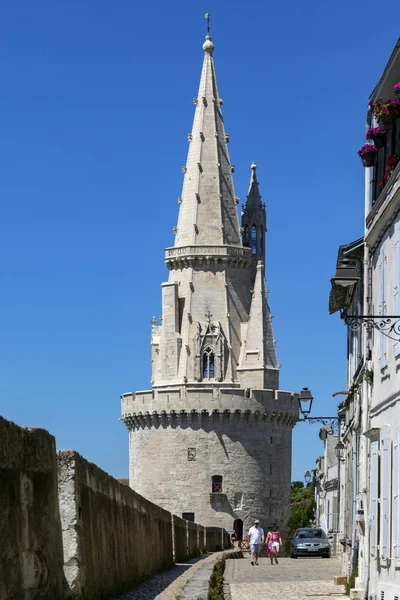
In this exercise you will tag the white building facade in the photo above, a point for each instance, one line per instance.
(371, 410)
(326, 476)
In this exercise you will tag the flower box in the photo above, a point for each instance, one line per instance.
(377, 135)
(368, 155)
(385, 112)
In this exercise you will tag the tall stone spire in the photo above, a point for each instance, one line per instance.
(258, 360)
(208, 213)
(207, 296)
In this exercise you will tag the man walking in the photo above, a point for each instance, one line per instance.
(256, 537)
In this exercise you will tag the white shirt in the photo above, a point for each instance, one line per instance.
(255, 534)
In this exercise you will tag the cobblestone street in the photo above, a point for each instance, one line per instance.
(290, 579)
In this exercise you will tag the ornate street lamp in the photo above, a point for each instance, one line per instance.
(305, 403)
(339, 451)
(307, 477)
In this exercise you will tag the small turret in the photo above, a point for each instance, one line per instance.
(254, 223)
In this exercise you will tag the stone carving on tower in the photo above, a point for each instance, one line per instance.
(214, 412)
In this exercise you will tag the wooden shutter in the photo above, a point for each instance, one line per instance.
(373, 497)
(396, 278)
(386, 484)
(396, 495)
(382, 302)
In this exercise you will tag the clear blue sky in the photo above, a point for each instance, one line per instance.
(95, 108)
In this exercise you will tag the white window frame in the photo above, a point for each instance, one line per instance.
(385, 493)
(396, 495)
(382, 302)
(396, 278)
(374, 497)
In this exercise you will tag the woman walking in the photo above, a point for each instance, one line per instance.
(274, 542)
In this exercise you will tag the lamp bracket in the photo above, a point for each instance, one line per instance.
(325, 421)
(388, 325)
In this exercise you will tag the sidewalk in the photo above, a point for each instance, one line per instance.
(186, 581)
(301, 579)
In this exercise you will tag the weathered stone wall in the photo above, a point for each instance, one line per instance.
(31, 555)
(213, 538)
(112, 536)
(193, 549)
(226, 538)
(201, 532)
(180, 539)
(252, 455)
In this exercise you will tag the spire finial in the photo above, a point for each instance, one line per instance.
(207, 18)
(208, 46)
(253, 172)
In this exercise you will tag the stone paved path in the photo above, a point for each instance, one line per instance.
(188, 581)
(301, 579)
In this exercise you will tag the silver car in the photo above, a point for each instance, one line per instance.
(310, 541)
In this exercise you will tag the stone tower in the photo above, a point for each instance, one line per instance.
(212, 439)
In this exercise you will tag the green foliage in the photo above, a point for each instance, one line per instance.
(302, 510)
(295, 485)
(216, 582)
(304, 494)
(352, 580)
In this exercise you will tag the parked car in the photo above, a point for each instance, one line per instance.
(310, 541)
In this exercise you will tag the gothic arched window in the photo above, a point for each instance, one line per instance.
(208, 363)
(254, 240)
(261, 239)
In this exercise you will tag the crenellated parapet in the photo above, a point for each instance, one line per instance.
(206, 406)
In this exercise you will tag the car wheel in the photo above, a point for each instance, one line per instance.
(292, 555)
(326, 555)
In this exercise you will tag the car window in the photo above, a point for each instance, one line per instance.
(309, 533)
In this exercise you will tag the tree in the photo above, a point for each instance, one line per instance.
(302, 509)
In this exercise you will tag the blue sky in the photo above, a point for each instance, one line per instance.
(95, 108)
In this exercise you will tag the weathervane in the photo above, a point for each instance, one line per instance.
(207, 18)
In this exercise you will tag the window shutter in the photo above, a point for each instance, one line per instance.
(396, 268)
(373, 497)
(396, 495)
(386, 484)
(382, 303)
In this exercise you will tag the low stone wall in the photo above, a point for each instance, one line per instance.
(31, 554)
(113, 537)
(213, 538)
(193, 547)
(227, 543)
(83, 534)
(180, 539)
(201, 536)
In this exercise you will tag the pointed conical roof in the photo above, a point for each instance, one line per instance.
(259, 352)
(253, 195)
(208, 213)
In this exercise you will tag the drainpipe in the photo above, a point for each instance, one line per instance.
(354, 456)
(365, 388)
